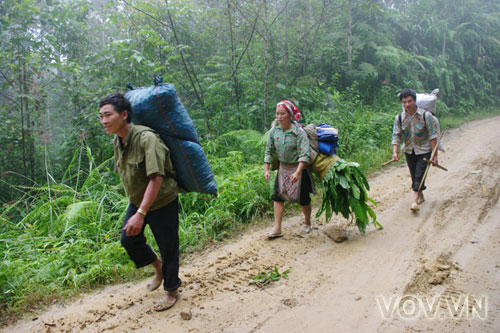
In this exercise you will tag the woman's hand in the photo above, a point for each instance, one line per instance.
(295, 176)
(267, 174)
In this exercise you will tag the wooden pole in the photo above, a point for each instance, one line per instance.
(386, 163)
(437, 165)
(429, 165)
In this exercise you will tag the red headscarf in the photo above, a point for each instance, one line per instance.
(291, 108)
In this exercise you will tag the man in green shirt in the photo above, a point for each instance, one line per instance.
(143, 162)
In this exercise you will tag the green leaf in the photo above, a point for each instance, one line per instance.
(358, 209)
(355, 191)
(344, 182)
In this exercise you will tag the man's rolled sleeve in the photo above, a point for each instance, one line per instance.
(432, 128)
(396, 132)
(154, 153)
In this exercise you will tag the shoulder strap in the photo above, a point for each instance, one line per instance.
(425, 120)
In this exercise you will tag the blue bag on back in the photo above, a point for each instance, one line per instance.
(327, 139)
(159, 108)
(328, 148)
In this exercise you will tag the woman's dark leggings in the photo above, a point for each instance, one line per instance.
(164, 223)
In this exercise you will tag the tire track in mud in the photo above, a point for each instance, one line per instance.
(219, 275)
(481, 188)
(474, 204)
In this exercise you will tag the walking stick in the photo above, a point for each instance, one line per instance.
(437, 165)
(428, 164)
(388, 162)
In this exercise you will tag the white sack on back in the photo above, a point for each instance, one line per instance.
(428, 101)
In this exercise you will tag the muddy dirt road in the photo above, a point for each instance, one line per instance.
(437, 270)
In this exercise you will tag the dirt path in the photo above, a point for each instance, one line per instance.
(411, 276)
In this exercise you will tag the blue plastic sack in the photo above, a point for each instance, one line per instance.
(327, 148)
(326, 133)
(159, 108)
(327, 139)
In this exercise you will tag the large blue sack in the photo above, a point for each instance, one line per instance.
(327, 133)
(328, 141)
(327, 148)
(159, 108)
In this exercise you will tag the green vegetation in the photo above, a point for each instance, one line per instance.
(264, 278)
(453, 121)
(345, 191)
(66, 239)
(341, 61)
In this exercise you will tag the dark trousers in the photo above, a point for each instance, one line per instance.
(417, 167)
(164, 223)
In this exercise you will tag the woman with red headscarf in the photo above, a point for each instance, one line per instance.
(293, 183)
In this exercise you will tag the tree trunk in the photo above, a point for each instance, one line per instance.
(286, 45)
(234, 74)
(193, 79)
(29, 128)
(266, 68)
(349, 36)
(444, 44)
(21, 108)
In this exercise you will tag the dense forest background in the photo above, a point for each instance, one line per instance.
(340, 61)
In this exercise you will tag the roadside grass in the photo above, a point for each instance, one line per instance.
(453, 121)
(58, 240)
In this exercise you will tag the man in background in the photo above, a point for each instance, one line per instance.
(416, 127)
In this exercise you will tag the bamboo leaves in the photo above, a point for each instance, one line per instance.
(345, 192)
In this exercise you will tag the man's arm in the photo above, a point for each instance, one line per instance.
(395, 156)
(396, 137)
(136, 221)
(433, 131)
(433, 145)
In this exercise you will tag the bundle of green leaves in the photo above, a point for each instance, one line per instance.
(345, 190)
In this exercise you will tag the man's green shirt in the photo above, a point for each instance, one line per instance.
(143, 154)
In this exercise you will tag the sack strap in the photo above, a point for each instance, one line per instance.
(400, 122)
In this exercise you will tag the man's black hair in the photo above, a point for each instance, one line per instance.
(119, 102)
(407, 92)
